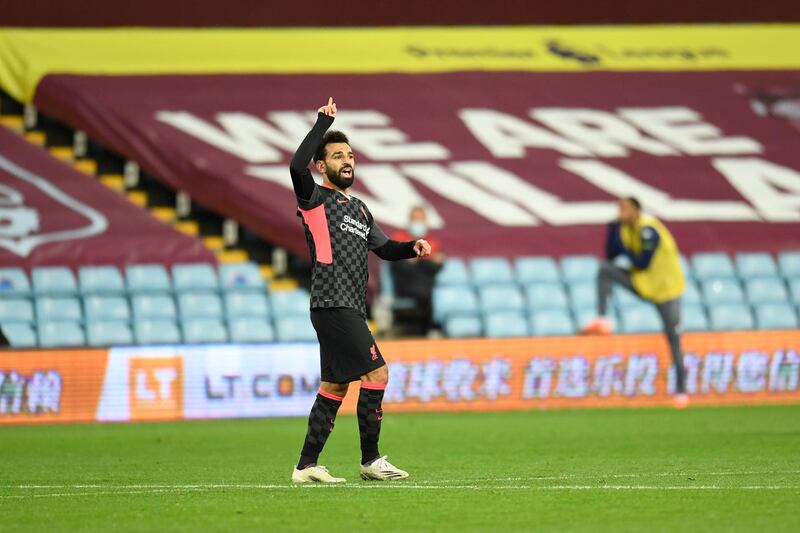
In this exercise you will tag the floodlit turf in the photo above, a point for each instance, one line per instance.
(724, 469)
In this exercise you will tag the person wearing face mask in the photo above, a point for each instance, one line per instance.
(414, 278)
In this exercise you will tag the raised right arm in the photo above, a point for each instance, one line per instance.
(302, 180)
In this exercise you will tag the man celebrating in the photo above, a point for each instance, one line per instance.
(341, 231)
(655, 276)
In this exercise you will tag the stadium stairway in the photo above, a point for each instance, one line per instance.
(231, 244)
(74, 148)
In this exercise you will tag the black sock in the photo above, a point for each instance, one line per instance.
(320, 425)
(370, 414)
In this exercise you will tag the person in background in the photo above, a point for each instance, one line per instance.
(655, 276)
(414, 278)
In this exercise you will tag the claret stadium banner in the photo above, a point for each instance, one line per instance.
(517, 139)
(508, 163)
(278, 380)
(51, 214)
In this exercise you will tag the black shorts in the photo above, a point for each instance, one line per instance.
(347, 350)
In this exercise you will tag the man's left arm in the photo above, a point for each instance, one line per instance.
(650, 240)
(390, 250)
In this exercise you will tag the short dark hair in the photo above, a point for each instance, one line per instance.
(333, 136)
(633, 201)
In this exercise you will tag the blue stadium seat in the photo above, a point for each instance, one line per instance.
(246, 305)
(455, 300)
(576, 268)
(693, 318)
(623, 298)
(500, 298)
(642, 318)
(251, 329)
(108, 333)
(766, 291)
(16, 310)
(460, 327)
(541, 269)
(388, 289)
(552, 322)
(153, 306)
(506, 324)
(199, 304)
(241, 277)
(19, 334)
(290, 303)
(202, 330)
(583, 294)
(686, 267)
(691, 295)
(789, 264)
(14, 282)
(541, 296)
(156, 331)
(794, 290)
(58, 308)
(584, 315)
(755, 265)
(727, 317)
(776, 316)
(295, 329)
(194, 277)
(453, 272)
(722, 291)
(61, 333)
(148, 278)
(101, 280)
(490, 271)
(106, 308)
(54, 281)
(712, 265)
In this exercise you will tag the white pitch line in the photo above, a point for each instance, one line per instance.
(139, 489)
(561, 477)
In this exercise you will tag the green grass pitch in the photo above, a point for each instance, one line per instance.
(703, 469)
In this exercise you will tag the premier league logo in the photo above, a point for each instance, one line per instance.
(25, 198)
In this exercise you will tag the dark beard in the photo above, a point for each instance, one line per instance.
(337, 179)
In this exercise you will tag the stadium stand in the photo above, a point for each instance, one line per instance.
(754, 291)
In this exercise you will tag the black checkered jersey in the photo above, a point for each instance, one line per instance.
(340, 232)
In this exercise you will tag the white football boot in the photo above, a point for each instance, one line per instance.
(315, 474)
(382, 470)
